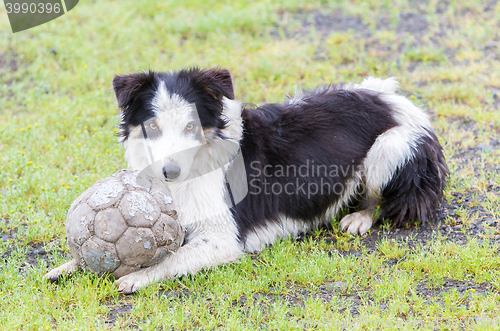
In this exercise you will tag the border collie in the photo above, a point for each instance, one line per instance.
(244, 177)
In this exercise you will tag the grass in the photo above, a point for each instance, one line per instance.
(58, 123)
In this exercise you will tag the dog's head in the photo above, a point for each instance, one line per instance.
(167, 118)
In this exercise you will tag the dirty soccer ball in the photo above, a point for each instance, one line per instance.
(123, 223)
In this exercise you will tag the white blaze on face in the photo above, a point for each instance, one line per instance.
(173, 135)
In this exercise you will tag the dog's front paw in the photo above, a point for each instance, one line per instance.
(359, 222)
(134, 281)
(66, 269)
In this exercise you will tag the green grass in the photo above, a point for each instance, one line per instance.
(58, 123)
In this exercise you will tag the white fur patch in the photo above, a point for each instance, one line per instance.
(260, 237)
(389, 85)
(173, 113)
(172, 103)
(232, 112)
(298, 98)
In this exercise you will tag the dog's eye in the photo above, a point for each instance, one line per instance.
(190, 126)
(153, 126)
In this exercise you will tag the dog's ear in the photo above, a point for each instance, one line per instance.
(127, 86)
(216, 82)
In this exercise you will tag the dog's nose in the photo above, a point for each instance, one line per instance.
(171, 171)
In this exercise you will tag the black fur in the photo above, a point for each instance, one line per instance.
(134, 94)
(331, 127)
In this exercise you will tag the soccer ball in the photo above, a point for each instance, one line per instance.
(123, 223)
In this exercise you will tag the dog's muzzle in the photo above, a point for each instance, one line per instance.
(171, 171)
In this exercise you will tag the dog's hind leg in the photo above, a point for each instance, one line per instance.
(416, 188)
(390, 152)
(405, 178)
(404, 171)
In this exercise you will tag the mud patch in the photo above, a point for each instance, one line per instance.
(412, 23)
(299, 24)
(36, 255)
(426, 289)
(8, 65)
(117, 311)
(9, 233)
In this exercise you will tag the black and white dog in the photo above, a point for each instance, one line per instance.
(343, 146)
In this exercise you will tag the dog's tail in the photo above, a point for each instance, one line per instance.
(406, 166)
(416, 188)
